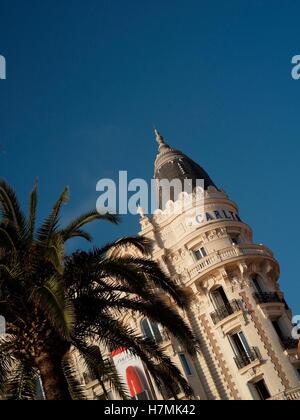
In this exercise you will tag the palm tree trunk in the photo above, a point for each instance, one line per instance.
(54, 382)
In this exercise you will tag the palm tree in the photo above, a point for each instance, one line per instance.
(54, 305)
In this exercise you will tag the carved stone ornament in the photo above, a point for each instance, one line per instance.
(208, 284)
(251, 373)
(212, 235)
(222, 233)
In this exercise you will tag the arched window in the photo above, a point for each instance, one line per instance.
(151, 330)
(219, 298)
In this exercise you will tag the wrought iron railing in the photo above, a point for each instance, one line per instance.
(291, 394)
(227, 254)
(244, 359)
(225, 311)
(289, 343)
(271, 297)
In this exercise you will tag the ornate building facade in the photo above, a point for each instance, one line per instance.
(238, 312)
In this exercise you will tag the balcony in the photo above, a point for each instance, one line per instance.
(225, 311)
(289, 343)
(290, 395)
(263, 297)
(228, 254)
(245, 359)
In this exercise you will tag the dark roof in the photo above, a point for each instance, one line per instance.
(172, 164)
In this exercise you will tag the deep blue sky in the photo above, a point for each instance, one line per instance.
(87, 80)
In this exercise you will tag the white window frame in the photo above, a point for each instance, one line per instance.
(200, 250)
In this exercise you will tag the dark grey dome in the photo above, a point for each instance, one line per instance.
(172, 164)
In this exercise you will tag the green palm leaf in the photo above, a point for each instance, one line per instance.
(10, 207)
(51, 223)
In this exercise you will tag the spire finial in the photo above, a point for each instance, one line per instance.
(159, 138)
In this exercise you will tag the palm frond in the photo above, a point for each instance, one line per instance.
(51, 223)
(51, 299)
(33, 200)
(114, 335)
(7, 362)
(86, 218)
(103, 369)
(55, 252)
(22, 383)
(77, 390)
(139, 243)
(156, 310)
(8, 238)
(10, 207)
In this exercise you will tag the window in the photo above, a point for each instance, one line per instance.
(244, 354)
(219, 298)
(240, 344)
(200, 253)
(40, 394)
(151, 330)
(257, 282)
(278, 329)
(185, 364)
(298, 371)
(262, 390)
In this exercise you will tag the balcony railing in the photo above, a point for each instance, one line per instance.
(227, 254)
(244, 359)
(263, 297)
(225, 311)
(291, 394)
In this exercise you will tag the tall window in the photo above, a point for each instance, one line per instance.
(151, 330)
(200, 253)
(257, 282)
(240, 344)
(219, 298)
(185, 364)
(278, 329)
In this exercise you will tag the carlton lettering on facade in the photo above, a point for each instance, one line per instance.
(213, 216)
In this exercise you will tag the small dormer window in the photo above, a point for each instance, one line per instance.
(200, 253)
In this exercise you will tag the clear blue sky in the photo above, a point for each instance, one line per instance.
(87, 80)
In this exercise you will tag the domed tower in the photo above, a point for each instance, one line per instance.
(237, 312)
